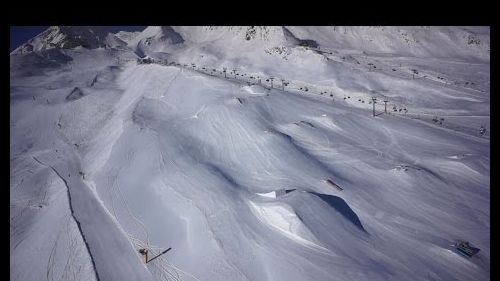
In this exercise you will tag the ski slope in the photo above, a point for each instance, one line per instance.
(109, 156)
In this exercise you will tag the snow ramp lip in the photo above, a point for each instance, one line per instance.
(75, 94)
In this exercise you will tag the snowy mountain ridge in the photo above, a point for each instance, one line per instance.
(409, 41)
(65, 37)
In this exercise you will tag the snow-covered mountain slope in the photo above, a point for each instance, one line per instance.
(468, 43)
(157, 39)
(252, 182)
(127, 36)
(113, 41)
(65, 37)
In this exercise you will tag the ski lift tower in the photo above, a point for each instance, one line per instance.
(144, 252)
(374, 100)
(385, 105)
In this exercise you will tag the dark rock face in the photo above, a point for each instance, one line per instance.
(170, 34)
(250, 34)
(297, 41)
(71, 43)
(26, 48)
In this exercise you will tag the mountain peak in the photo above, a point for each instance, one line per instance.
(65, 37)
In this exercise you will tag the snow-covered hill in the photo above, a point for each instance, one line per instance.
(244, 176)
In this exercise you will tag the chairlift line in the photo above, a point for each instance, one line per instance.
(284, 83)
(158, 254)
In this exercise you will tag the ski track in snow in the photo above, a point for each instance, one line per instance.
(72, 215)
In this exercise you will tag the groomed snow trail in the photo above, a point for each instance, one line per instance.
(108, 247)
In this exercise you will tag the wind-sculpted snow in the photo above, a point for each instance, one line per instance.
(75, 94)
(285, 221)
(244, 182)
(340, 205)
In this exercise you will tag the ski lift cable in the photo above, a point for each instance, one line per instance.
(140, 244)
(164, 262)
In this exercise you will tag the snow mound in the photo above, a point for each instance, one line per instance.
(255, 90)
(341, 206)
(271, 194)
(282, 218)
(326, 122)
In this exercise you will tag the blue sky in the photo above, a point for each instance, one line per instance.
(21, 34)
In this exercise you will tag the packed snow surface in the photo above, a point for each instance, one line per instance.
(252, 151)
